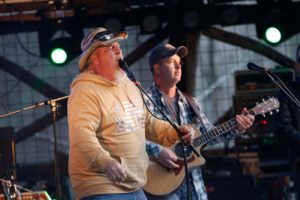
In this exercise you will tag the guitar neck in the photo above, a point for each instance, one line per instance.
(217, 131)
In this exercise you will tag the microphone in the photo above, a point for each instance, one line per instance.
(123, 65)
(254, 67)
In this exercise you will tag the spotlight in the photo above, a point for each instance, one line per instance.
(114, 24)
(151, 23)
(62, 50)
(191, 19)
(59, 48)
(58, 56)
(230, 15)
(275, 26)
(272, 35)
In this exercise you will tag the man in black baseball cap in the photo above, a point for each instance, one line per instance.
(162, 51)
(165, 65)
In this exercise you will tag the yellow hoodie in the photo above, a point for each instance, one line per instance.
(108, 120)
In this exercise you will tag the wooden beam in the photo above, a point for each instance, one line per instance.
(30, 79)
(249, 43)
(146, 46)
(39, 85)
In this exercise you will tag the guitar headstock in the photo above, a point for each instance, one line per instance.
(266, 106)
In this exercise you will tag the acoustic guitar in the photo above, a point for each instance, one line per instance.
(162, 181)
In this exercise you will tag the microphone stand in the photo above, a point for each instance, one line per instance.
(277, 82)
(12, 191)
(282, 86)
(123, 65)
(54, 105)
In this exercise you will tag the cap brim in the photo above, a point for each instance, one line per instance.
(86, 54)
(181, 51)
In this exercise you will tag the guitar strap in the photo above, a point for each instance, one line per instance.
(193, 105)
(192, 102)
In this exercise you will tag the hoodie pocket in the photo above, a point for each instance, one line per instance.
(135, 172)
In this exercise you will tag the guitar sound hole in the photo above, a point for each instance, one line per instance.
(179, 152)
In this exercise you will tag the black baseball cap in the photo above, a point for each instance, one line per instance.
(162, 51)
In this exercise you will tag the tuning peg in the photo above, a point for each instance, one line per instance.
(270, 111)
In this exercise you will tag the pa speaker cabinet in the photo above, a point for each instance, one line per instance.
(230, 187)
(252, 82)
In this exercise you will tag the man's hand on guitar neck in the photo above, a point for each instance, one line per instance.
(244, 120)
(167, 158)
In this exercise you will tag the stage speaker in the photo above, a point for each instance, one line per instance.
(256, 82)
(230, 187)
(7, 152)
(250, 88)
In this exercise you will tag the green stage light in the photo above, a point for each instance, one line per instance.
(273, 35)
(275, 24)
(62, 50)
(59, 45)
(58, 56)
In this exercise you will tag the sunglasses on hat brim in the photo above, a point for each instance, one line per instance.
(105, 36)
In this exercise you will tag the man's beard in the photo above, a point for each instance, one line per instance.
(119, 74)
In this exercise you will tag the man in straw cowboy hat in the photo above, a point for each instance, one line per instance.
(108, 123)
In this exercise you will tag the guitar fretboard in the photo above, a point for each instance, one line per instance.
(217, 131)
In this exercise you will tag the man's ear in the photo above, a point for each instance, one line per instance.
(156, 68)
(93, 59)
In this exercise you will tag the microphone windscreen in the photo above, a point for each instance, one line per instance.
(255, 67)
(252, 66)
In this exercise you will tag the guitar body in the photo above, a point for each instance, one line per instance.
(162, 181)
